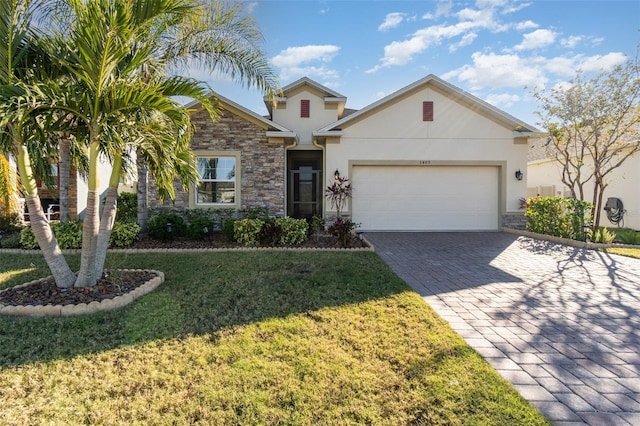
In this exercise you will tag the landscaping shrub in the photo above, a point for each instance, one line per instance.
(601, 235)
(200, 228)
(342, 229)
(629, 236)
(227, 229)
(270, 233)
(11, 241)
(316, 226)
(9, 222)
(292, 231)
(127, 208)
(27, 239)
(247, 231)
(160, 229)
(124, 234)
(68, 234)
(560, 217)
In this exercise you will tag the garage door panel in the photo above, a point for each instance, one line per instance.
(425, 198)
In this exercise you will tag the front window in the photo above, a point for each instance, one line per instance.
(217, 180)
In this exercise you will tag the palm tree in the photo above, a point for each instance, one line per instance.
(221, 40)
(116, 55)
(18, 62)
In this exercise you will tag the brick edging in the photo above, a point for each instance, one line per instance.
(83, 308)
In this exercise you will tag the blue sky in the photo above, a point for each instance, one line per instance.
(498, 50)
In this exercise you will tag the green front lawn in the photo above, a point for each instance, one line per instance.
(250, 338)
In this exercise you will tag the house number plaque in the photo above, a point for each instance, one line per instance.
(424, 162)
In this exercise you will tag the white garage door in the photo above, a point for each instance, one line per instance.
(429, 198)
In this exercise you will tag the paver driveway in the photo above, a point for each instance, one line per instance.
(560, 323)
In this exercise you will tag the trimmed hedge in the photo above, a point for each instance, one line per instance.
(283, 231)
(560, 217)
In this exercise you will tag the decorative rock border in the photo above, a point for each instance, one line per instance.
(83, 308)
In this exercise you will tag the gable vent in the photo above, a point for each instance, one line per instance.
(304, 108)
(427, 111)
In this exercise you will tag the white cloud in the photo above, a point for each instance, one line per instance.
(503, 100)
(571, 41)
(496, 71)
(301, 61)
(466, 40)
(536, 39)
(525, 25)
(514, 7)
(600, 63)
(294, 56)
(470, 22)
(392, 20)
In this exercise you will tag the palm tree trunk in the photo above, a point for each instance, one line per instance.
(62, 274)
(108, 216)
(106, 226)
(141, 186)
(91, 224)
(64, 171)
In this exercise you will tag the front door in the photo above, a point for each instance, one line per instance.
(304, 198)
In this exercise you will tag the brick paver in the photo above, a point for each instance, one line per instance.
(561, 323)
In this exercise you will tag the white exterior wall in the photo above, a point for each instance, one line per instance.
(288, 115)
(457, 136)
(624, 183)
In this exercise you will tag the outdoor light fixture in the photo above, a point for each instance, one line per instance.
(519, 174)
(336, 175)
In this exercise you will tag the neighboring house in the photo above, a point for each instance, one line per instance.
(429, 157)
(545, 179)
(78, 191)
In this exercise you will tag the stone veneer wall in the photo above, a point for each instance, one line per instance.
(262, 164)
(514, 221)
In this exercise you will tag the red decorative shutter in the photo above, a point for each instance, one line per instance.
(427, 111)
(304, 108)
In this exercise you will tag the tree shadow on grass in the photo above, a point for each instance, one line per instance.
(203, 293)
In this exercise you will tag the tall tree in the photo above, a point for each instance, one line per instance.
(108, 46)
(19, 61)
(594, 127)
(222, 40)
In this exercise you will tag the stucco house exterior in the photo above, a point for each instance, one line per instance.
(545, 179)
(429, 157)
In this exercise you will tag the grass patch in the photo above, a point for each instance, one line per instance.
(629, 252)
(250, 338)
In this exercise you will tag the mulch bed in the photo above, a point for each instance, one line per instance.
(45, 292)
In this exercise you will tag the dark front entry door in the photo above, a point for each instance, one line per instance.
(305, 184)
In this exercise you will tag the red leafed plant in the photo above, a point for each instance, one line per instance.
(338, 193)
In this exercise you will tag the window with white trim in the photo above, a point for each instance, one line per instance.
(217, 180)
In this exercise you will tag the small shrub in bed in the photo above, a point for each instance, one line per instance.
(166, 226)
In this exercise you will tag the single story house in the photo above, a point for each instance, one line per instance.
(429, 157)
(545, 179)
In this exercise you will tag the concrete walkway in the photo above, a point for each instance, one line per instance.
(562, 324)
